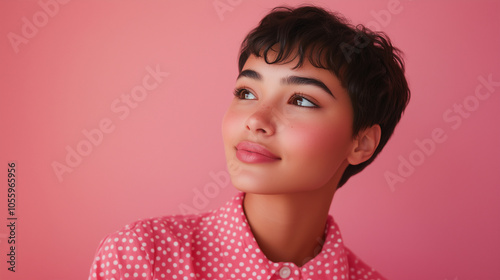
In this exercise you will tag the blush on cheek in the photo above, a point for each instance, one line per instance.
(319, 139)
(317, 152)
(229, 123)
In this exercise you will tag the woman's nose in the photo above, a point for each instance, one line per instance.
(262, 120)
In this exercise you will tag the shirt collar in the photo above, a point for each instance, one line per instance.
(331, 259)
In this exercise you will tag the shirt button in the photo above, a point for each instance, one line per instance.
(285, 272)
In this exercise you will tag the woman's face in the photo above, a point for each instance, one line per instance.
(287, 130)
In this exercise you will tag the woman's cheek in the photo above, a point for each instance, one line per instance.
(321, 143)
(229, 124)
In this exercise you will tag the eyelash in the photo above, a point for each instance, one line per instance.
(239, 93)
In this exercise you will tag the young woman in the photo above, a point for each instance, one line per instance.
(316, 100)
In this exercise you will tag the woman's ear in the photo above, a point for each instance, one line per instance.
(364, 145)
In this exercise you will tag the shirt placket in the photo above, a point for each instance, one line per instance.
(284, 271)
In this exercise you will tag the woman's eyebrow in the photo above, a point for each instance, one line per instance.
(297, 80)
(290, 80)
(250, 74)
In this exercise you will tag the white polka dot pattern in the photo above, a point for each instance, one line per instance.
(214, 245)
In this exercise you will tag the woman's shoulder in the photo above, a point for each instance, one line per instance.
(171, 228)
(162, 227)
(134, 248)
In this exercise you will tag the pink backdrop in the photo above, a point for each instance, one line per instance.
(102, 136)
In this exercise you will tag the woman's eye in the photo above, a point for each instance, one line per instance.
(244, 93)
(299, 100)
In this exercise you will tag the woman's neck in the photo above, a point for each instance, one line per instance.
(289, 227)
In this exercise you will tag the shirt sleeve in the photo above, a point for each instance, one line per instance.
(123, 255)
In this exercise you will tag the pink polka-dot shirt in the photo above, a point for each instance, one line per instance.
(215, 245)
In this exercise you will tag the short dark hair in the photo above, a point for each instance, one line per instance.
(368, 66)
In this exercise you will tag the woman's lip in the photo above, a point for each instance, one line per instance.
(253, 153)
